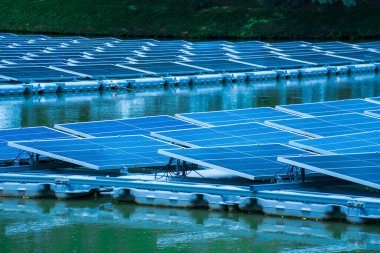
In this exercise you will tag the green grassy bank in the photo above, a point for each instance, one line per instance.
(227, 19)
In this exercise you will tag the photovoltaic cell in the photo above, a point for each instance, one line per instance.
(133, 126)
(327, 126)
(106, 153)
(358, 168)
(219, 118)
(329, 108)
(235, 134)
(248, 161)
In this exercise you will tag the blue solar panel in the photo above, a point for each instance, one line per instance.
(358, 168)
(329, 108)
(246, 133)
(323, 60)
(327, 126)
(18, 134)
(222, 65)
(26, 74)
(274, 62)
(166, 68)
(106, 153)
(342, 144)
(133, 126)
(219, 118)
(103, 71)
(249, 161)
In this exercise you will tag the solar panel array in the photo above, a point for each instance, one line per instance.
(326, 126)
(133, 126)
(235, 134)
(227, 117)
(105, 153)
(28, 58)
(249, 161)
(358, 168)
(32, 133)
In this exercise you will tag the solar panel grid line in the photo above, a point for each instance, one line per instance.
(289, 161)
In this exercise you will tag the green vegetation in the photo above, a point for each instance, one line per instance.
(196, 19)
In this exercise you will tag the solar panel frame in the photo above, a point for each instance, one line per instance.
(233, 159)
(30, 133)
(357, 169)
(103, 153)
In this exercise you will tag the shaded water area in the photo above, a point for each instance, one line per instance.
(99, 225)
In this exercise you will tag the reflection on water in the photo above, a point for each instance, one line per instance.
(32, 110)
(99, 226)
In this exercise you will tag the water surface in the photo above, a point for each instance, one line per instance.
(102, 226)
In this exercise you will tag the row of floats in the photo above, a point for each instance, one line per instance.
(94, 85)
(306, 201)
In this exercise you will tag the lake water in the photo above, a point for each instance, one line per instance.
(98, 225)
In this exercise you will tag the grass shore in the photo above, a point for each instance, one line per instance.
(223, 19)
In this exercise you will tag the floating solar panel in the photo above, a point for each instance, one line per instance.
(227, 117)
(342, 144)
(329, 108)
(223, 65)
(326, 126)
(248, 161)
(235, 134)
(105, 153)
(358, 168)
(166, 68)
(102, 71)
(26, 74)
(133, 126)
(324, 60)
(275, 62)
(32, 133)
